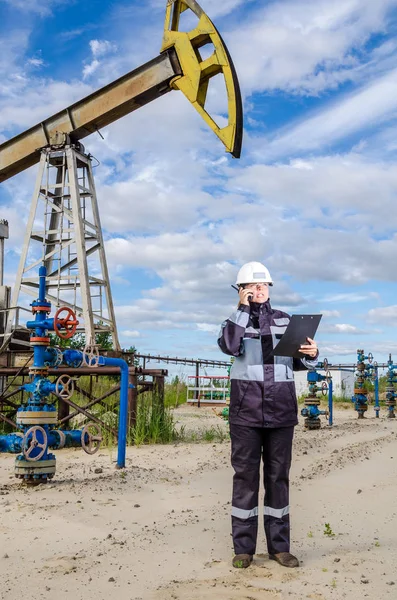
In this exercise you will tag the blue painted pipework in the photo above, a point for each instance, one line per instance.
(40, 412)
(364, 372)
(330, 403)
(76, 357)
(123, 411)
(376, 391)
(12, 442)
(311, 410)
(391, 394)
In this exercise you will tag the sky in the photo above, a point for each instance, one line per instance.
(313, 196)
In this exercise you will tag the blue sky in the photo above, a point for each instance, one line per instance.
(313, 196)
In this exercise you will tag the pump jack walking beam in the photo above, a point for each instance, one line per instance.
(179, 66)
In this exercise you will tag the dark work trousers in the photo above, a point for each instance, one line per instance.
(274, 446)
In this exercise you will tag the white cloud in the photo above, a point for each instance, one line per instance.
(346, 184)
(214, 9)
(363, 109)
(386, 315)
(349, 297)
(35, 62)
(342, 328)
(22, 103)
(208, 327)
(163, 250)
(323, 214)
(328, 349)
(150, 205)
(41, 7)
(302, 46)
(329, 314)
(13, 45)
(128, 333)
(90, 68)
(99, 49)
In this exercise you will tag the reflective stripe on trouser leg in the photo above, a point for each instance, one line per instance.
(246, 459)
(277, 448)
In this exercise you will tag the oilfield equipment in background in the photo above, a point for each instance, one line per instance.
(208, 390)
(391, 393)
(366, 370)
(311, 410)
(198, 363)
(37, 418)
(64, 230)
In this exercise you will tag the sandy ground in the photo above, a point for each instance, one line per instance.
(161, 528)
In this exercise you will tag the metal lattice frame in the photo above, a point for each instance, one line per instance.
(64, 220)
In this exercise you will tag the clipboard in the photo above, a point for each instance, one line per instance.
(298, 329)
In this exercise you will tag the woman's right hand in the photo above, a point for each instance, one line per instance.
(244, 296)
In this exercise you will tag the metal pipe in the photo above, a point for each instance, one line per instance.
(12, 442)
(330, 404)
(185, 361)
(7, 371)
(4, 234)
(376, 391)
(123, 411)
(76, 356)
(63, 370)
(1, 261)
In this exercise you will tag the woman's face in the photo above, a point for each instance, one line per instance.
(260, 291)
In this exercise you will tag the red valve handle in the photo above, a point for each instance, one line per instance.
(69, 323)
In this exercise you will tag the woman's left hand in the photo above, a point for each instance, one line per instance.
(310, 348)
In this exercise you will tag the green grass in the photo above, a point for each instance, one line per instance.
(328, 530)
(210, 435)
(175, 392)
(154, 423)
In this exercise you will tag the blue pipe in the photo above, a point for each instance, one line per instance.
(330, 404)
(71, 356)
(42, 282)
(12, 442)
(376, 386)
(123, 412)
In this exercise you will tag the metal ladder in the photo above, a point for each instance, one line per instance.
(64, 234)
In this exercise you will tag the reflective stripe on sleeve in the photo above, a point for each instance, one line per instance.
(282, 321)
(240, 318)
(276, 512)
(244, 514)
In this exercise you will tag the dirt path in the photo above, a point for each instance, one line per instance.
(161, 528)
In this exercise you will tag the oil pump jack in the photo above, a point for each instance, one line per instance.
(64, 230)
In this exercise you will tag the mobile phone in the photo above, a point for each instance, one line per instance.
(250, 296)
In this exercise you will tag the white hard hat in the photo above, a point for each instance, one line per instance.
(253, 272)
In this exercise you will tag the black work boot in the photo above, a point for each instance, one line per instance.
(242, 561)
(285, 559)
